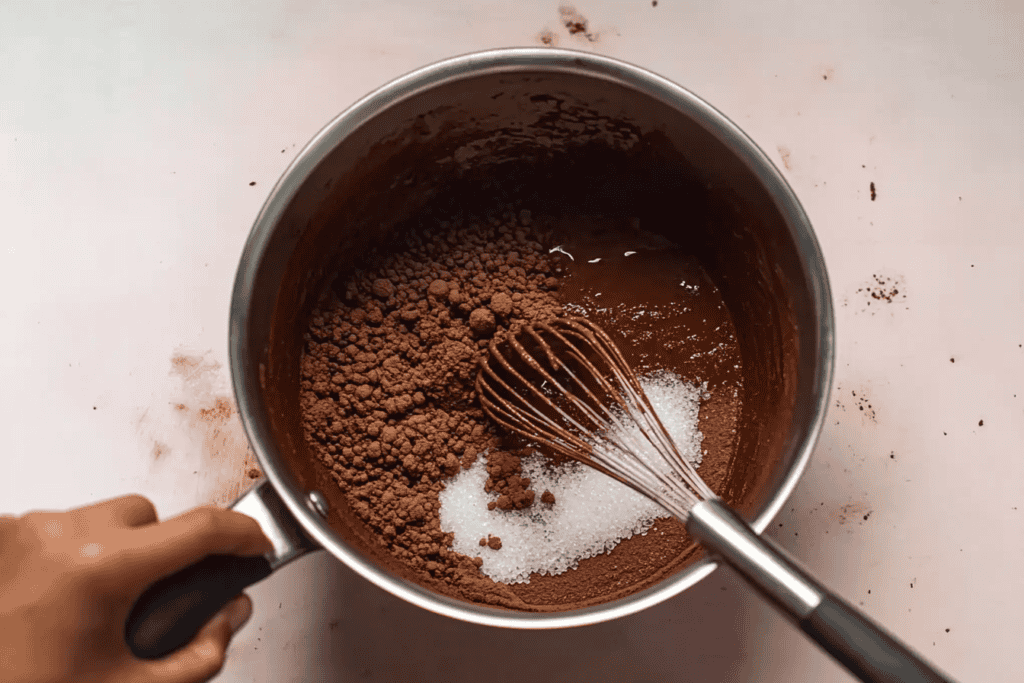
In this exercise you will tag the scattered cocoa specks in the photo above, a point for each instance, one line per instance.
(654, 3)
(254, 473)
(252, 183)
(864, 406)
(851, 512)
(883, 289)
(952, 360)
(873, 193)
(892, 455)
(947, 630)
(547, 38)
(576, 23)
(981, 423)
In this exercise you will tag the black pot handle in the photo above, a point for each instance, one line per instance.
(171, 611)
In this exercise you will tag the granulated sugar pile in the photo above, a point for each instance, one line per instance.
(591, 512)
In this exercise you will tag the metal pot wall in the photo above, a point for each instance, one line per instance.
(378, 163)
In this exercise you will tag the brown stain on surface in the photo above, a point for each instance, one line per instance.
(784, 154)
(219, 413)
(210, 421)
(185, 366)
(575, 23)
(548, 38)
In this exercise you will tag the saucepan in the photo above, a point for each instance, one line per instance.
(377, 164)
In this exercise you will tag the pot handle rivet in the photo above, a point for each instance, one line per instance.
(318, 503)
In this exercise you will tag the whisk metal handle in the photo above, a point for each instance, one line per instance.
(855, 641)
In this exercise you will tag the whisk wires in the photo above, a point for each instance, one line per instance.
(565, 385)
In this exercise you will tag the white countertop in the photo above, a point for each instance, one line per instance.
(131, 134)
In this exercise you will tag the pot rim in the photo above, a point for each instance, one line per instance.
(493, 61)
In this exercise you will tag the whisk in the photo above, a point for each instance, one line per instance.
(566, 386)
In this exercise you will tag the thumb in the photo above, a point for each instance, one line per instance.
(203, 658)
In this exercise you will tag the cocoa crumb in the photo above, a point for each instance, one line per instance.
(494, 543)
(438, 288)
(383, 288)
(547, 497)
(481, 321)
(513, 491)
(501, 304)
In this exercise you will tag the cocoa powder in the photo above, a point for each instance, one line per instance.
(387, 384)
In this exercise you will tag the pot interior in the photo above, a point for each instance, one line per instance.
(567, 140)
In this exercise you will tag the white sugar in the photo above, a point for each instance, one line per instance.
(592, 512)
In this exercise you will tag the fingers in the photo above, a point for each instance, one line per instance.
(124, 512)
(204, 657)
(164, 548)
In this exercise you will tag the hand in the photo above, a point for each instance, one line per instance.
(68, 581)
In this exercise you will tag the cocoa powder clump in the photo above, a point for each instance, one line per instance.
(501, 304)
(388, 376)
(504, 478)
(481, 321)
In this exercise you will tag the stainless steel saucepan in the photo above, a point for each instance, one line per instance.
(377, 164)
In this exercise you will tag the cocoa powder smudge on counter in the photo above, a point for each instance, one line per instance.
(388, 378)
